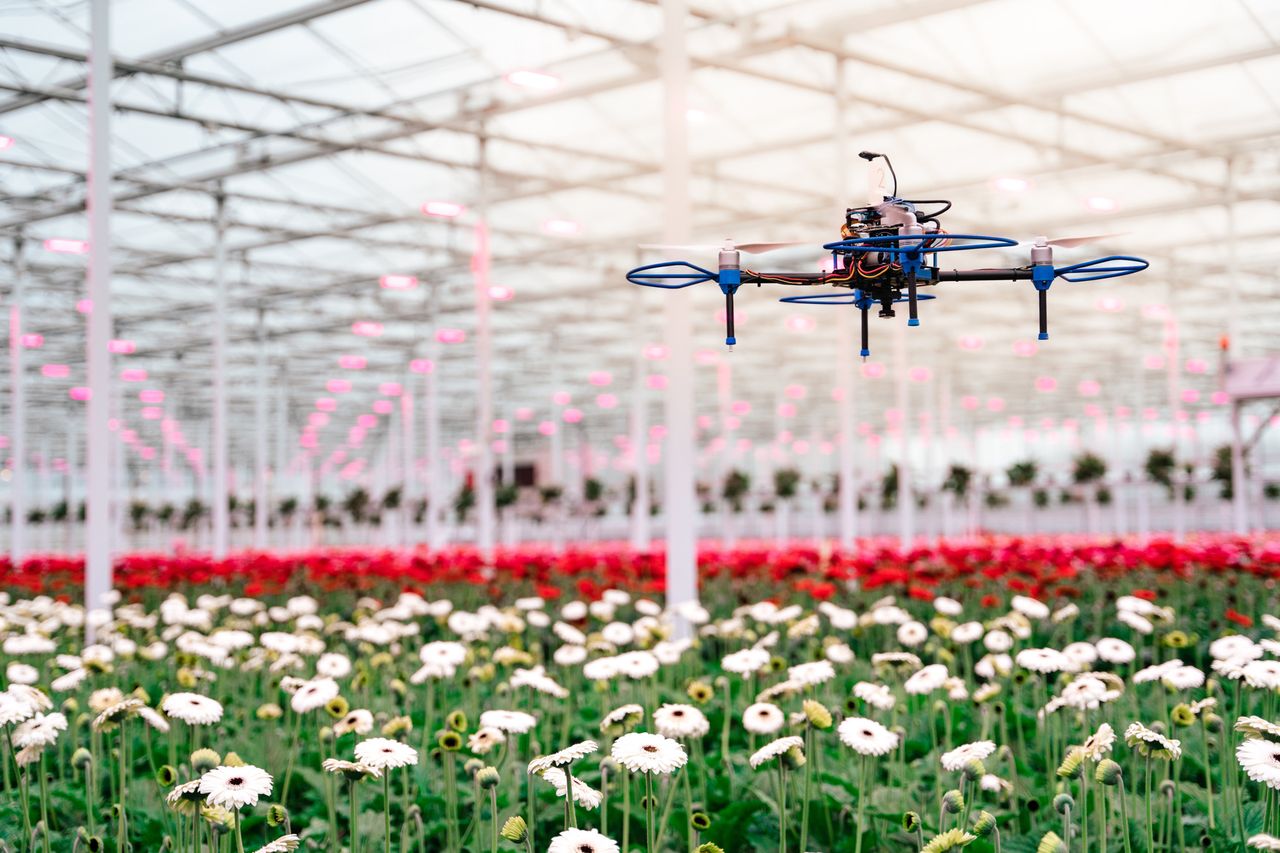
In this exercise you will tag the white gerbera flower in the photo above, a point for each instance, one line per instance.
(926, 680)
(1260, 760)
(966, 633)
(333, 665)
(1151, 743)
(314, 694)
(680, 721)
(511, 722)
(947, 606)
(1115, 651)
(773, 749)
(838, 653)
(763, 718)
(1030, 607)
(12, 711)
(1262, 841)
(192, 708)
(997, 641)
(1264, 674)
(68, 681)
(383, 753)
(642, 752)
(283, 844)
(568, 755)
(21, 673)
(41, 730)
(745, 662)
(1183, 678)
(583, 794)
(582, 841)
(866, 737)
(235, 787)
(912, 634)
(485, 739)
(956, 759)
(1098, 744)
(815, 672)
(358, 721)
(1234, 646)
(1043, 660)
(569, 655)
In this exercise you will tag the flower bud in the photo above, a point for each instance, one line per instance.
(1063, 803)
(232, 759)
(81, 758)
(973, 770)
(710, 848)
(910, 821)
(337, 707)
(700, 821)
(983, 824)
(794, 758)
(204, 760)
(457, 720)
(817, 714)
(450, 741)
(1182, 715)
(277, 815)
(1051, 843)
(953, 802)
(515, 829)
(1108, 772)
(488, 777)
(269, 711)
(1070, 766)
(167, 776)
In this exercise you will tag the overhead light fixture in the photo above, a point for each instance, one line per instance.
(133, 374)
(31, 341)
(119, 346)
(398, 282)
(500, 293)
(6, 142)
(390, 389)
(562, 227)
(422, 365)
(352, 362)
(443, 209)
(337, 386)
(1011, 184)
(55, 371)
(1101, 204)
(367, 328)
(537, 81)
(151, 396)
(64, 246)
(450, 336)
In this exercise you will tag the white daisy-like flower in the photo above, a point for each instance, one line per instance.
(68, 681)
(1098, 744)
(815, 672)
(583, 794)
(511, 722)
(192, 708)
(956, 759)
(485, 739)
(966, 633)
(1260, 760)
(383, 753)
(582, 841)
(41, 730)
(947, 606)
(745, 662)
(32, 697)
(866, 737)
(1264, 674)
(283, 844)
(568, 755)
(912, 634)
(154, 719)
(1262, 841)
(351, 769)
(1030, 607)
(1234, 646)
(314, 694)
(840, 618)
(185, 791)
(680, 721)
(569, 655)
(900, 661)
(601, 669)
(333, 665)
(1043, 660)
(637, 665)
(642, 752)
(21, 673)
(773, 749)
(1183, 678)
(1081, 655)
(992, 783)
(1136, 621)
(235, 787)
(1146, 741)
(357, 721)
(1251, 726)
(997, 641)
(763, 718)
(12, 711)
(1231, 669)
(838, 653)
(926, 680)
(1115, 651)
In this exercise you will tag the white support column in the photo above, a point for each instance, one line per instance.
(484, 375)
(1239, 470)
(1174, 394)
(261, 473)
(640, 506)
(220, 514)
(98, 356)
(906, 505)
(18, 481)
(433, 492)
(285, 532)
(680, 506)
(408, 446)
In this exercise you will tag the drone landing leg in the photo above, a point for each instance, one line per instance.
(729, 339)
(866, 348)
(1044, 315)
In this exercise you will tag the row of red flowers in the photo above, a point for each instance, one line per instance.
(1040, 566)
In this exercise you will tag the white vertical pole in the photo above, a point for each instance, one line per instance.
(557, 453)
(261, 467)
(284, 533)
(680, 507)
(433, 492)
(17, 410)
(98, 357)
(221, 520)
(484, 375)
(408, 444)
(1239, 472)
(847, 419)
(1174, 392)
(906, 508)
(640, 534)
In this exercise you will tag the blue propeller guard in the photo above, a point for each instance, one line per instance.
(697, 276)
(1091, 271)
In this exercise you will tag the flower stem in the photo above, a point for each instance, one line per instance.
(862, 802)
(44, 804)
(386, 812)
(1124, 818)
(493, 818)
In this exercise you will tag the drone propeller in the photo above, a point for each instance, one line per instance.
(1071, 242)
(728, 246)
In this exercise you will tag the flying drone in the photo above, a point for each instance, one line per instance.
(888, 250)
